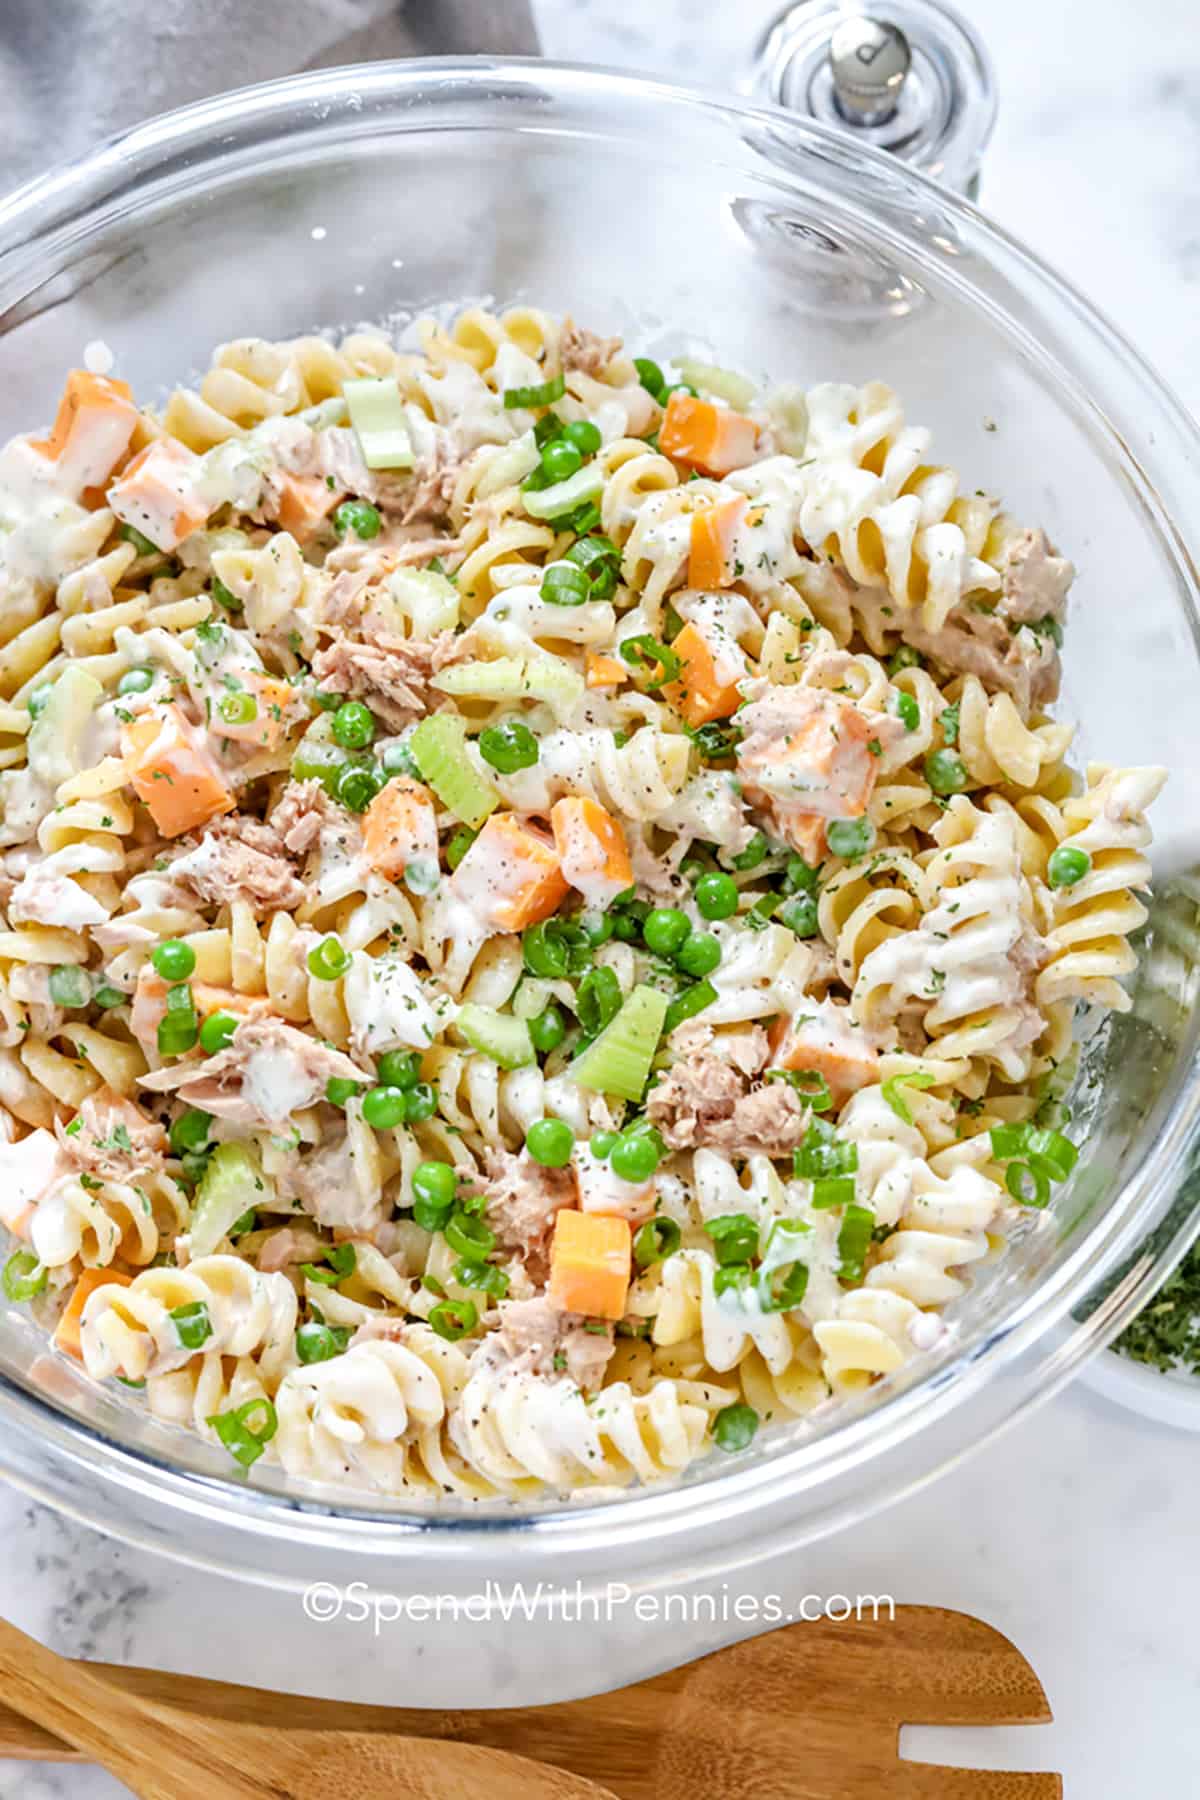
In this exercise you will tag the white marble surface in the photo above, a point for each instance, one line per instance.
(1075, 1534)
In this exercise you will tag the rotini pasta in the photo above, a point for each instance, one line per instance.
(539, 904)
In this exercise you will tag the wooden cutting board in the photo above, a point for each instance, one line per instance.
(806, 1712)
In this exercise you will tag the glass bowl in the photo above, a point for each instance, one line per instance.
(366, 194)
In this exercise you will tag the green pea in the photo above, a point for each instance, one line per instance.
(550, 1142)
(135, 681)
(849, 838)
(584, 435)
(217, 1031)
(946, 772)
(1067, 866)
(548, 1030)
(700, 955)
(634, 1156)
(398, 1068)
(190, 1130)
(358, 516)
(799, 914)
(433, 1184)
(666, 930)
(384, 1107)
(734, 1427)
(173, 960)
(716, 896)
(353, 725)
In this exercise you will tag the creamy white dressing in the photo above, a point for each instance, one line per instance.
(387, 1005)
(277, 1082)
(27, 1170)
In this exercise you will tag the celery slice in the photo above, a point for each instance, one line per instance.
(428, 599)
(547, 503)
(56, 737)
(738, 390)
(377, 415)
(546, 678)
(232, 1183)
(438, 746)
(618, 1061)
(498, 1035)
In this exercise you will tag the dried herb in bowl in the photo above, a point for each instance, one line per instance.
(1166, 1334)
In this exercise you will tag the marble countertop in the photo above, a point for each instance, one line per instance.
(1075, 1533)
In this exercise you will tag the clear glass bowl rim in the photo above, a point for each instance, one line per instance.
(268, 1536)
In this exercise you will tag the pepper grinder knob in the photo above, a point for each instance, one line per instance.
(870, 60)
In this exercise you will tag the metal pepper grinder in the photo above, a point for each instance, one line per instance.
(907, 76)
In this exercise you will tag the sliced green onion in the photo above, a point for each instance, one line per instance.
(452, 1319)
(23, 1277)
(193, 1327)
(734, 1236)
(483, 1276)
(832, 1190)
(824, 1153)
(650, 375)
(905, 708)
(565, 585)
(543, 395)
(329, 959)
(810, 1084)
(891, 1092)
(317, 1342)
(693, 1000)
(598, 999)
(1028, 1184)
(644, 652)
(654, 1241)
(237, 709)
(107, 997)
(468, 1236)
(242, 1437)
(854, 1240)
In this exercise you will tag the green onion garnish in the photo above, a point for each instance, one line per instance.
(644, 652)
(654, 1241)
(734, 1236)
(810, 1084)
(854, 1240)
(544, 395)
(891, 1091)
(244, 1440)
(193, 1327)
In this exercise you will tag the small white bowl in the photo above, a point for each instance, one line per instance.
(1171, 1399)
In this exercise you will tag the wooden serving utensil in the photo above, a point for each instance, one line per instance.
(806, 1712)
(161, 1752)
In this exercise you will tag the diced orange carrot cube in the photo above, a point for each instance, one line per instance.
(605, 671)
(96, 419)
(825, 1041)
(66, 1332)
(168, 765)
(511, 876)
(305, 502)
(158, 494)
(713, 439)
(275, 700)
(699, 695)
(591, 848)
(806, 754)
(711, 562)
(400, 828)
(210, 998)
(591, 1260)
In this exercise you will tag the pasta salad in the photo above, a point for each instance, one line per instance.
(545, 907)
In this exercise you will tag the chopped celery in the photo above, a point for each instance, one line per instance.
(439, 749)
(377, 415)
(618, 1061)
(232, 1184)
(55, 742)
(426, 598)
(546, 678)
(547, 503)
(738, 390)
(498, 1035)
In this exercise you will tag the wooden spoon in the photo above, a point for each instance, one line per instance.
(162, 1753)
(809, 1711)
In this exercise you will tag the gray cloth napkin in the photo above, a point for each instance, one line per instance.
(73, 71)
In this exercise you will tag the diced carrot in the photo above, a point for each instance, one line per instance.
(713, 439)
(305, 502)
(168, 765)
(95, 421)
(591, 848)
(158, 494)
(400, 827)
(511, 875)
(210, 998)
(66, 1332)
(275, 700)
(714, 529)
(827, 1043)
(699, 695)
(605, 671)
(806, 754)
(591, 1260)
